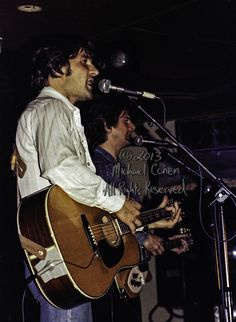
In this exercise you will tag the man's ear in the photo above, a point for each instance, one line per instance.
(108, 129)
(55, 74)
(63, 70)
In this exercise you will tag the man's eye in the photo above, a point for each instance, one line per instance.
(84, 61)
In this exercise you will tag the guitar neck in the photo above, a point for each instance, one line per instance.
(147, 217)
(170, 244)
(150, 216)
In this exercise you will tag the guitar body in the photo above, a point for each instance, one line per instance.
(84, 249)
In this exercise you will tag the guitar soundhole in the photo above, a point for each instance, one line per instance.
(110, 231)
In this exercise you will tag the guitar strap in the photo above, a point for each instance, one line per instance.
(32, 247)
(19, 168)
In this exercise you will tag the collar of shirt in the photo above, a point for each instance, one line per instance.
(51, 92)
(105, 154)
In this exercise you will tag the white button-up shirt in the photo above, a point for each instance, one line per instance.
(50, 140)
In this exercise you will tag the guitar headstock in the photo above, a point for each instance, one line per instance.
(184, 230)
(187, 235)
(180, 203)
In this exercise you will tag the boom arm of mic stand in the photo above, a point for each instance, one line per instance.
(184, 165)
(185, 149)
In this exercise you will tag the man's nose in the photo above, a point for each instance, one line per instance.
(93, 70)
(131, 126)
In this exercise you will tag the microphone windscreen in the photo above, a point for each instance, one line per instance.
(104, 85)
(137, 139)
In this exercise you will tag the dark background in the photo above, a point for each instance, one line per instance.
(184, 51)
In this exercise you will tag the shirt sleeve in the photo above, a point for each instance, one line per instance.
(60, 161)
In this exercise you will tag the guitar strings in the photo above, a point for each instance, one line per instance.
(107, 230)
(145, 217)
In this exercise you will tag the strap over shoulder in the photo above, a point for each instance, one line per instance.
(17, 164)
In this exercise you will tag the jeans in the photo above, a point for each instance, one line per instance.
(49, 313)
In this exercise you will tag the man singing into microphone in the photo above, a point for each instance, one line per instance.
(53, 148)
(108, 128)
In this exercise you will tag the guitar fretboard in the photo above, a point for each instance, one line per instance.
(170, 244)
(147, 217)
(173, 243)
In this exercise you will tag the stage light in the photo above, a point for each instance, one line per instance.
(119, 58)
(29, 8)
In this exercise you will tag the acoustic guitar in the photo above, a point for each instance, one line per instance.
(73, 250)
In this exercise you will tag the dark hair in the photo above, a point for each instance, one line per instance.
(53, 54)
(105, 111)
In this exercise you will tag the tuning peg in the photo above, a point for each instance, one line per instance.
(184, 230)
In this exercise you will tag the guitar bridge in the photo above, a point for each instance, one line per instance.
(90, 235)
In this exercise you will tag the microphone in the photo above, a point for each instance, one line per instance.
(139, 140)
(105, 86)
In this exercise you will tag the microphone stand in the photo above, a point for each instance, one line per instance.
(221, 249)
